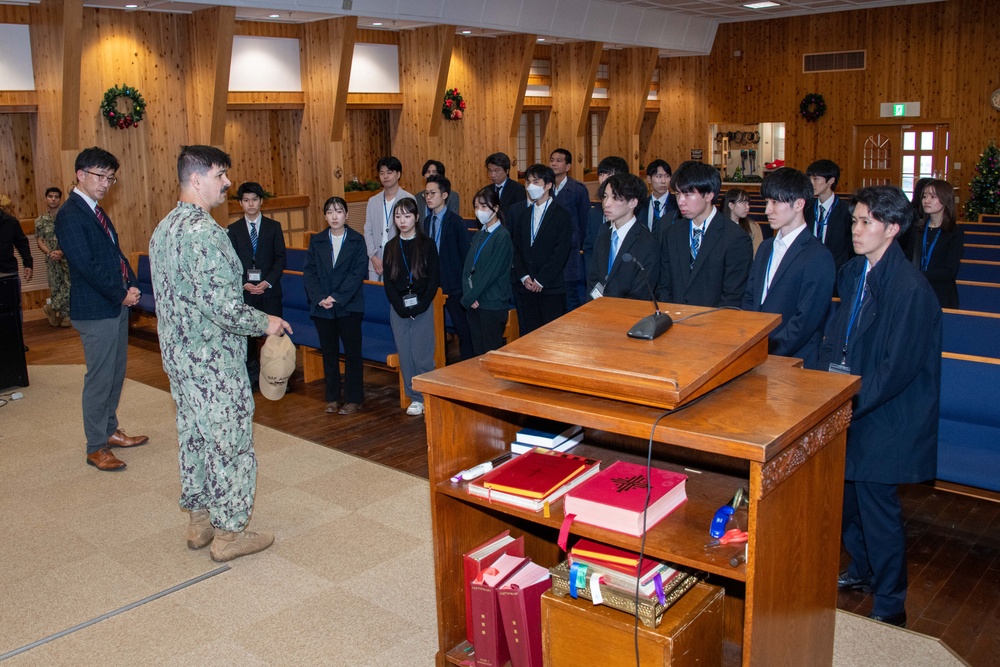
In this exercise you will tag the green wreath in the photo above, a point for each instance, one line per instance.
(120, 119)
(812, 107)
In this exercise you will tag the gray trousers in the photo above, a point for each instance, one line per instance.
(415, 342)
(105, 348)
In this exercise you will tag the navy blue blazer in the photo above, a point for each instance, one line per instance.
(625, 280)
(512, 195)
(575, 198)
(719, 275)
(801, 292)
(96, 287)
(343, 282)
(895, 346)
(838, 229)
(545, 260)
(595, 223)
(451, 254)
(666, 219)
(270, 259)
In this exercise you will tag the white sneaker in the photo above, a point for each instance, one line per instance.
(416, 408)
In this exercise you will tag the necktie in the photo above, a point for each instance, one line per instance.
(103, 219)
(253, 236)
(614, 249)
(696, 235)
(436, 230)
(656, 213)
(821, 224)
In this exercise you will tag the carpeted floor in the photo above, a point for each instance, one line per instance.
(349, 580)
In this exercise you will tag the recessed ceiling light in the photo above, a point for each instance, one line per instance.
(377, 23)
(131, 6)
(541, 39)
(272, 16)
(466, 32)
(761, 5)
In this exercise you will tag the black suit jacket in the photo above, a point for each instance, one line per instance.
(96, 286)
(801, 292)
(838, 229)
(343, 281)
(513, 194)
(451, 254)
(666, 219)
(270, 259)
(545, 260)
(625, 279)
(719, 275)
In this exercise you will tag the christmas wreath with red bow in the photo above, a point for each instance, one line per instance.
(812, 108)
(453, 107)
(118, 118)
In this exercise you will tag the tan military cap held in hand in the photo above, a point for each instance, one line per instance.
(277, 363)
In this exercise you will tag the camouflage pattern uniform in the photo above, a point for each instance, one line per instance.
(202, 321)
(45, 229)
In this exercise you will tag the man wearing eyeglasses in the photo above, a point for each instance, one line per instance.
(102, 289)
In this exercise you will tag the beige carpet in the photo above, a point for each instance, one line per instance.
(349, 580)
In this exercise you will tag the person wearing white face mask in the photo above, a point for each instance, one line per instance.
(486, 275)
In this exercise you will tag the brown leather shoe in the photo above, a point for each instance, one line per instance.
(104, 460)
(119, 439)
(333, 407)
(350, 408)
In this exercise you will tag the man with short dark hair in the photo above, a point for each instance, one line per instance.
(887, 330)
(102, 289)
(608, 166)
(436, 168)
(793, 273)
(705, 257)
(260, 244)
(542, 239)
(610, 274)
(661, 209)
(829, 217)
(573, 196)
(201, 320)
(509, 190)
(57, 309)
(452, 240)
(379, 225)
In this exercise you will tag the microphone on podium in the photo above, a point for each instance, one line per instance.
(651, 326)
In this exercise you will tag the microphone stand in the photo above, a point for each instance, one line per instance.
(652, 326)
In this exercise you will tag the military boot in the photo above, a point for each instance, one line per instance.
(200, 530)
(227, 546)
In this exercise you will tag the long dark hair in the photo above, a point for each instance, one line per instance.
(392, 258)
(488, 196)
(735, 196)
(946, 195)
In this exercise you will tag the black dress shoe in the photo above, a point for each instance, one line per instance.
(899, 620)
(845, 582)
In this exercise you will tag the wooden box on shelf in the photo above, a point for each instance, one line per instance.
(578, 632)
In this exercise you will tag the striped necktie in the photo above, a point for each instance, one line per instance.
(106, 225)
(696, 235)
(253, 236)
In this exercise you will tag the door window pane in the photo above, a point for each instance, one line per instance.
(926, 165)
(909, 141)
(909, 162)
(926, 141)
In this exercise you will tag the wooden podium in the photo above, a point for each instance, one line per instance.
(776, 429)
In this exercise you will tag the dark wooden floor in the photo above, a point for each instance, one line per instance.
(954, 540)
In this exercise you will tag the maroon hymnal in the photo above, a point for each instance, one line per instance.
(488, 633)
(614, 497)
(520, 600)
(537, 473)
(478, 559)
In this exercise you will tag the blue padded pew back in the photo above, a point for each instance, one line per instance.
(147, 302)
(982, 238)
(981, 226)
(964, 332)
(377, 342)
(984, 298)
(987, 253)
(295, 310)
(989, 217)
(969, 426)
(295, 259)
(980, 272)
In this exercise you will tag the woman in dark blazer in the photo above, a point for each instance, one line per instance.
(938, 243)
(334, 273)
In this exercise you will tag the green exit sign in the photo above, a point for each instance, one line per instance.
(898, 109)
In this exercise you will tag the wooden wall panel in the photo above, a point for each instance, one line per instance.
(268, 29)
(574, 69)
(14, 14)
(682, 123)
(631, 74)
(366, 140)
(208, 74)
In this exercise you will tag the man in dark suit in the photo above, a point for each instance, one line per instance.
(793, 273)
(608, 166)
(436, 168)
(828, 216)
(452, 240)
(888, 331)
(509, 191)
(542, 238)
(705, 258)
(573, 196)
(660, 209)
(260, 245)
(610, 274)
(102, 289)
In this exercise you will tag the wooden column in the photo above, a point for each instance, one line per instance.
(208, 74)
(631, 74)
(574, 68)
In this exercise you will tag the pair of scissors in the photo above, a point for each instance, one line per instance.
(733, 536)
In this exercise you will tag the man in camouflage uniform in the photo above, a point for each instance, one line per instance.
(202, 321)
(55, 262)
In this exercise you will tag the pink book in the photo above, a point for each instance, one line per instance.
(613, 499)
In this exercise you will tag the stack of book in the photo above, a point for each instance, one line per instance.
(529, 438)
(619, 569)
(533, 479)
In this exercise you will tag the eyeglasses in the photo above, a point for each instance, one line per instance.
(110, 180)
(429, 193)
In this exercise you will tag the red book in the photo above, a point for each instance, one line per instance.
(488, 637)
(626, 562)
(520, 601)
(478, 559)
(536, 474)
(614, 498)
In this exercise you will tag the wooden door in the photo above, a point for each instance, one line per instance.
(876, 155)
(924, 154)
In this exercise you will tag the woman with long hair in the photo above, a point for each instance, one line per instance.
(411, 274)
(736, 207)
(938, 243)
(487, 274)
